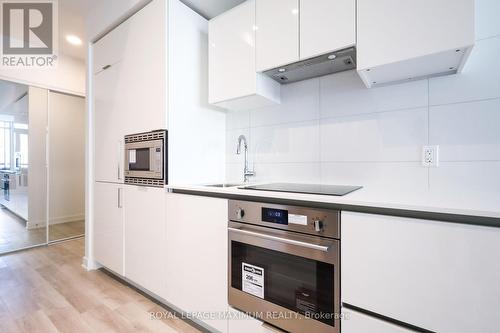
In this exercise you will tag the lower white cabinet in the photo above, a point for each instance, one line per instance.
(108, 226)
(439, 276)
(196, 251)
(129, 233)
(145, 237)
(356, 322)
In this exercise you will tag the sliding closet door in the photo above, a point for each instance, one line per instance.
(66, 166)
(23, 167)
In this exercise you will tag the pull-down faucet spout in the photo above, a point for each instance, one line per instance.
(246, 171)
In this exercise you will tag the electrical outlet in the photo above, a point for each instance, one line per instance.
(430, 156)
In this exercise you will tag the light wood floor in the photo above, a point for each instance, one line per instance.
(66, 230)
(15, 236)
(47, 290)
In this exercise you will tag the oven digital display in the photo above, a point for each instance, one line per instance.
(272, 215)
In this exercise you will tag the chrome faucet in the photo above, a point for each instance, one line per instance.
(246, 171)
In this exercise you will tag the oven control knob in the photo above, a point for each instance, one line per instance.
(318, 225)
(240, 213)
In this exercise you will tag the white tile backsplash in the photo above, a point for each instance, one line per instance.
(300, 102)
(477, 176)
(408, 175)
(467, 131)
(294, 142)
(334, 130)
(385, 136)
(288, 172)
(479, 80)
(237, 119)
(487, 22)
(344, 94)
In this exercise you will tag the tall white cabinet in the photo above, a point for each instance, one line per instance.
(129, 87)
(131, 95)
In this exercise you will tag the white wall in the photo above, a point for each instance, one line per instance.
(68, 76)
(334, 130)
(66, 158)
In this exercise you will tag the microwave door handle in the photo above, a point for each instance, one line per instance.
(282, 240)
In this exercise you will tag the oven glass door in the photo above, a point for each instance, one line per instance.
(297, 283)
(139, 159)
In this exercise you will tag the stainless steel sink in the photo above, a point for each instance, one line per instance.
(224, 185)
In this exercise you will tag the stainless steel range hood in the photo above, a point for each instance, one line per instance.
(330, 63)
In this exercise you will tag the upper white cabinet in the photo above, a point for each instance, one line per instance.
(326, 25)
(293, 30)
(108, 133)
(420, 272)
(129, 87)
(406, 40)
(233, 80)
(277, 33)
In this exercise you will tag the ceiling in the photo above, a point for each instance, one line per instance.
(73, 13)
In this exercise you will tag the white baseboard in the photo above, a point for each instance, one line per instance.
(56, 220)
(66, 219)
(90, 265)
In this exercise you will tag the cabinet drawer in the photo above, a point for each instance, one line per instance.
(435, 275)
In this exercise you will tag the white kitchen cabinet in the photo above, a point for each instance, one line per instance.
(357, 322)
(233, 81)
(108, 226)
(326, 25)
(110, 48)
(108, 128)
(145, 237)
(277, 36)
(438, 276)
(129, 87)
(407, 40)
(196, 250)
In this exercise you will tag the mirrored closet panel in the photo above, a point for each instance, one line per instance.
(23, 173)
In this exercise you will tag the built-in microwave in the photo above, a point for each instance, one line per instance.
(146, 158)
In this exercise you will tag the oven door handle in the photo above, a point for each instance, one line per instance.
(282, 240)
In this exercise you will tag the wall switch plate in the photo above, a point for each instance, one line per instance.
(430, 156)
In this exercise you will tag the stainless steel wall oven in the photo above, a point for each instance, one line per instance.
(284, 265)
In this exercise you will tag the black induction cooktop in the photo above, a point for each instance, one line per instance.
(334, 190)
